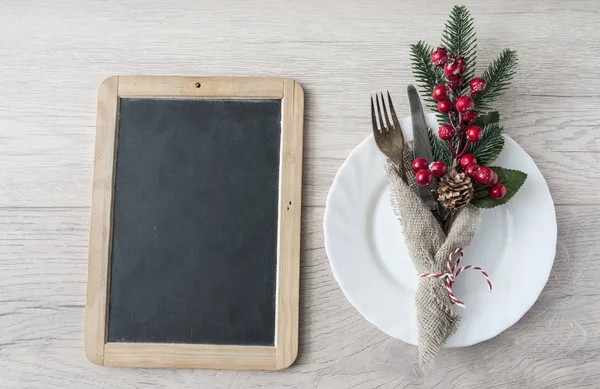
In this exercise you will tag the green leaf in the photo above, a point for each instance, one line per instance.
(488, 118)
(512, 181)
(498, 76)
(490, 145)
(440, 149)
(459, 38)
(427, 75)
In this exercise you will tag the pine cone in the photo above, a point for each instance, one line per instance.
(456, 191)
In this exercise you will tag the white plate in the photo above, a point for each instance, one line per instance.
(516, 245)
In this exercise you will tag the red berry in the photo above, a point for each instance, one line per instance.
(451, 68)
(446, 132)
(477, 85)
(464, 103)
(474, 133)
(471, 169)
(467, 159)
(484, 175)
(440, 93)
(455, 81)
(439, 56)
(419, 163)
(462, 65)
(497, 191)
(445, 106)
(494, 179)
(423, 177)
(438, 169)
(468, 116)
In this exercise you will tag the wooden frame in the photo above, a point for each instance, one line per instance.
(285, 348)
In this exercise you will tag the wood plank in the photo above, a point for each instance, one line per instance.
(42, 284)
(101, 222)
(58, 170)
(190, 356)
(548, 118)
(290, 206)
(217, 87)
(557, 168)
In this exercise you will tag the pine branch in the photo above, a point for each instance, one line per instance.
(427, 75)
(490, 146)
(440, 149)
(498, 76)
(459, 38)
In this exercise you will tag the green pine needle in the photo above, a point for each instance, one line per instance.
(490, 145)
(498, 76)
(439, 149)
(459, 38)
(486, 150)
(427, 75)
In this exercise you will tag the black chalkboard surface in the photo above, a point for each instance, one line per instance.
(195, 211)
(194, 243)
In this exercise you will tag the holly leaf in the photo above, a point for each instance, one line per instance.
(512, 181)
(488, 118)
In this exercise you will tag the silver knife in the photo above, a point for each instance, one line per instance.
(421, 145)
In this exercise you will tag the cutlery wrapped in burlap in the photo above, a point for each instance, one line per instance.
(429, 247)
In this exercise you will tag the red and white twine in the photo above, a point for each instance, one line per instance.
(452, 271)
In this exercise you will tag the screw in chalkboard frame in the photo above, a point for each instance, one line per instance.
(198, 85)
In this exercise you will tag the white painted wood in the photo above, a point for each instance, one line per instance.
(42, 293)
(53, 56)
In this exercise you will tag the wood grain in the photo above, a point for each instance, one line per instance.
(54, 56)
(554, 345)
(290, 207)
(222, 87)
(190, 356)
(101, 221)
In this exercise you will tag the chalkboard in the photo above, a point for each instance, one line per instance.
(195, 212)
(194, 243)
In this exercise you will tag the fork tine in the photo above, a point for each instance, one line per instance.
(387, 120)
(375, 128)
(383, 129)
(394, 116)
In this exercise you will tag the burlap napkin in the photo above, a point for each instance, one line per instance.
(429, 248)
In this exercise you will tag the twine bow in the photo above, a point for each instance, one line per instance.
(452, 271)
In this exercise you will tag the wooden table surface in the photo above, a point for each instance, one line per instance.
(54, 54)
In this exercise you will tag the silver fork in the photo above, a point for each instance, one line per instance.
(388, 137)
